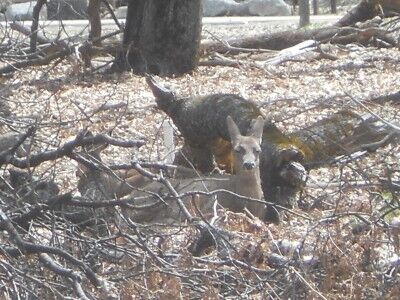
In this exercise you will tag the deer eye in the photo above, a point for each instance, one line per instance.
(257, 150)
(238, 149)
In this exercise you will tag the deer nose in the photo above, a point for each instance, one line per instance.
(249, 165)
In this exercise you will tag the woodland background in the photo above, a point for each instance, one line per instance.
(341, 242)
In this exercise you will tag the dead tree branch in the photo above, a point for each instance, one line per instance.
(35, 23)
(66, 149)
(24, 247)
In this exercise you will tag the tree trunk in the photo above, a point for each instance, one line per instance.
(333, 7)
(315, 7)
(94, 20)
(304, 11)
(35, 23)
(161, 37)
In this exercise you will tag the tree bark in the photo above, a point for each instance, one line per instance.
(304, 11)
(284, 39)
(315, 7)
(161, 37)
(342, 133)
(94, 21)
(333, 7)
(35, 23)
(367, 9)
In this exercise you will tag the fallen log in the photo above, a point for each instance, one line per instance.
(343, 133)
(290, 38)
(18, 26)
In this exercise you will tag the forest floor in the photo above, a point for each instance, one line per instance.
(61, 101)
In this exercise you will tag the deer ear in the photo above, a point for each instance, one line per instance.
(94, 149)
(234, 131)
(97, 149)
(257, 128)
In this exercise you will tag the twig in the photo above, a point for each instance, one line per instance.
(65, 51)
(308, 284)
(111, 11)
(238, 49)
(67, 149)
(37, 210)
(24, 247)
(109, 106)
(169, 186)
(52, 265)
(35, 23)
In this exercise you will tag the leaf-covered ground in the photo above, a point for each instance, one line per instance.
(341, 247)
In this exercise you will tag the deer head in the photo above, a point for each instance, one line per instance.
(247, 148)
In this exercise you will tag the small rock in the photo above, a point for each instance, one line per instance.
(67, 9)
(214, 8)
(268, 8)
(121, 12)
(24, 12)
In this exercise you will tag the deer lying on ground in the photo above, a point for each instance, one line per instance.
(106, 185)
(245, 183)
(201, 121)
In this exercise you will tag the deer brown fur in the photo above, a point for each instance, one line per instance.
(117, 183)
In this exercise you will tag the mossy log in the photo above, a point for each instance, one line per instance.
(342, 133)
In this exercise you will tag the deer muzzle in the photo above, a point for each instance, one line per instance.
(249, 165)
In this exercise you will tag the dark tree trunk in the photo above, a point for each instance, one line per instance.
(161, 37)
(304, 12)
(35, 23)
(94, 20)
(315, 7)
(333, 7)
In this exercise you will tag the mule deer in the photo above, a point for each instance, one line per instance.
(116, 183)
(106, 185)
(201, 121)
(244, 183)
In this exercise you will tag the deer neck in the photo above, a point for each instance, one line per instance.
(248, 183)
